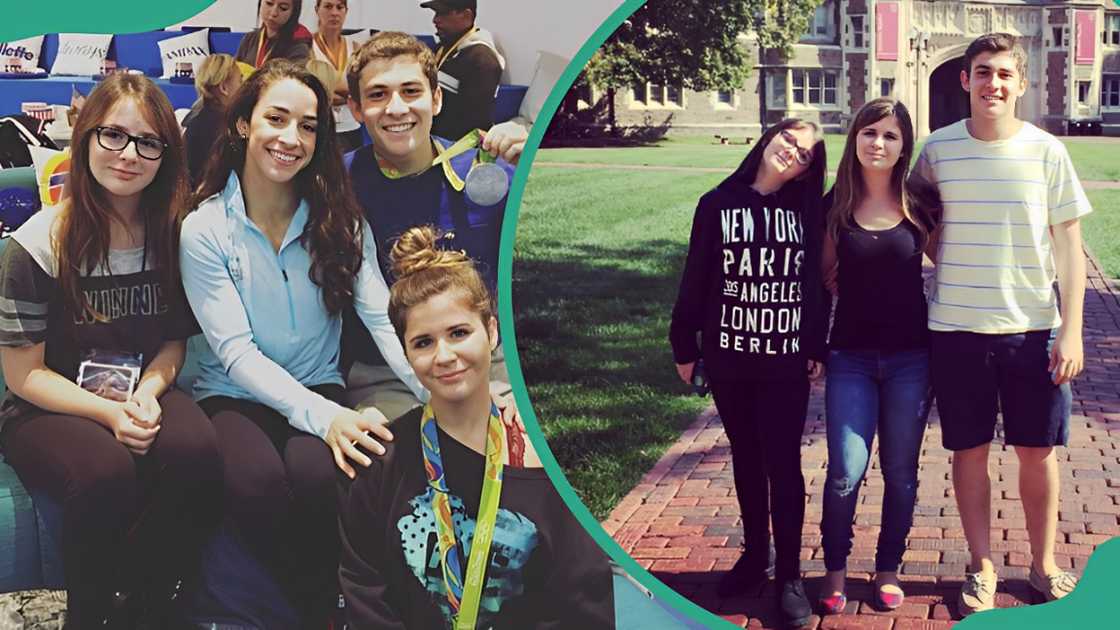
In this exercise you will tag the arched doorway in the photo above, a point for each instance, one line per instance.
(948, 103)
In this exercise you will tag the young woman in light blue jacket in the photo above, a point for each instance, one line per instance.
(275, 250)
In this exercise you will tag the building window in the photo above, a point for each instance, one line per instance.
(1110, 90)
(1111, 33)
(727, 97)
(1083, 92)
(640, 94)
(654, 94)
(886, 87)
(814, 86)
(776, 88)
(857, 31)
(822, 28)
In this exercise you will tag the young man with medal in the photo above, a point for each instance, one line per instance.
(410, 177)
(469, 68)
(457, 525)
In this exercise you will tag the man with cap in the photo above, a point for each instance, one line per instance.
(470, 68)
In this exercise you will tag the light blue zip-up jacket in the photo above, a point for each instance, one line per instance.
(268, 329)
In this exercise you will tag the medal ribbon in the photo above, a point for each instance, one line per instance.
(472, 140)
(464, 597)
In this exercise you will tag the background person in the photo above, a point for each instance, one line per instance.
(130, 476)
(279, 36)
(329, 46)
(275, 251)
(470, 68)
(217, 79)
(878, 367)
(543, 570)
(754, 257)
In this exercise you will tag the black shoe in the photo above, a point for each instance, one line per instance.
(744, 577)
(793, 604)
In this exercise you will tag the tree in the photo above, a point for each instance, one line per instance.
(696, 44)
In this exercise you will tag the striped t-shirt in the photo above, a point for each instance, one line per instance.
(995, 263)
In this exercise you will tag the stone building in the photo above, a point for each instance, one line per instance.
(857, 50)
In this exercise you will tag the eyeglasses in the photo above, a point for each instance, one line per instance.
(804, 156)
(113, 139)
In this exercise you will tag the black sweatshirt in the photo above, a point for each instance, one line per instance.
(751, 285)
(545, 571)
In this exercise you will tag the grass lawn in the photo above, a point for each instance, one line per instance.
(596, 266)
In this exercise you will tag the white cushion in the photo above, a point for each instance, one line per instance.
(26, 50)
(51, 170)
(80, 54)
(193, 47)
(549, 68)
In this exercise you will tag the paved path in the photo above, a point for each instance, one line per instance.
(1087, 184)
(682, 521)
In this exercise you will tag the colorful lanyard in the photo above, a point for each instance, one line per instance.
(261, 50)
(443, 55)
(463, 597)
(443, 157)
(337, 58)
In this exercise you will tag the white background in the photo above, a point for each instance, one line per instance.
(520, 27)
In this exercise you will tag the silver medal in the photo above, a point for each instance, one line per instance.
(486, 184)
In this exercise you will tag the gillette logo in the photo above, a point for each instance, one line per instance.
(7, 50)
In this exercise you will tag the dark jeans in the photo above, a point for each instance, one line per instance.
(868, 390)
(128, 521)
(282, 490)
(764, 421)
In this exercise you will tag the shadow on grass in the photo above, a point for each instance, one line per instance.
(589, 129)
(592, 325)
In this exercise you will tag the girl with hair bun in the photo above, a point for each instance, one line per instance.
(453, 471)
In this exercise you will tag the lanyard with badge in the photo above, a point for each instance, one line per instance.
(486, 183)
(464, 596)
(442, 55)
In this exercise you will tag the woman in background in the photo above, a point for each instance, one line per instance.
(139, 480)
(878, 367)
(280, 35)
(329, 46)
(751, 290)
(217, 79)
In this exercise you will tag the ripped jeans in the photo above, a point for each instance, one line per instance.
(865, 391)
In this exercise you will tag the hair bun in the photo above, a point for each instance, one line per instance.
(417, 249)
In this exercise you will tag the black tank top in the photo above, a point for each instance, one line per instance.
(881, 305)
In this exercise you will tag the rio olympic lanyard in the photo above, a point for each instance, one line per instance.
(470, 141)
(338, 58)
(261, 49)
(464, 597)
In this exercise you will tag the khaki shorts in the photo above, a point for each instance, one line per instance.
(377, 386)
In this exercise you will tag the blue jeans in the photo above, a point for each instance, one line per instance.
(865, 390)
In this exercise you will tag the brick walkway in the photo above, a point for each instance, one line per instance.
(682, 521)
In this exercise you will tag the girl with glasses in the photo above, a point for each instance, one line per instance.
(878, 367)
(752, 306)
(96, 280)
(411, 522)
(275, 251)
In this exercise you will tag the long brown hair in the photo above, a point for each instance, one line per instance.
(333, 234)
(82, 240)
(850, 189)
(813, 177)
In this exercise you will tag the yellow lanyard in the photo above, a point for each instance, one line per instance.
(443, 55)
(443, 158)
(337, 58)
(260, 48)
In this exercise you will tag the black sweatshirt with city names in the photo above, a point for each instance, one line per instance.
(751, 285)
